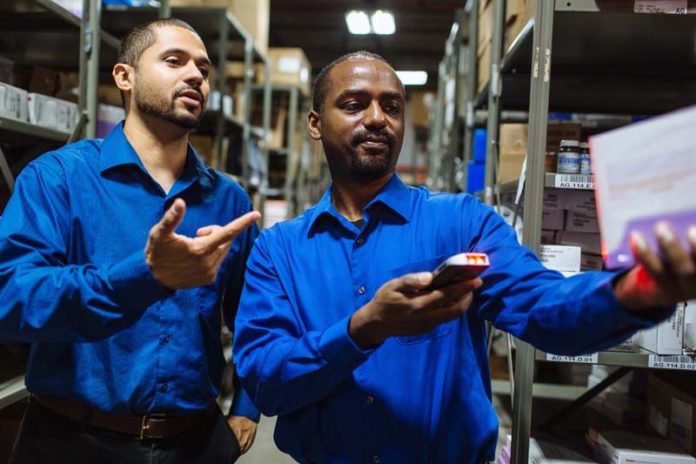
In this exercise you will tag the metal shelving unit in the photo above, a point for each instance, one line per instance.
(572, 56)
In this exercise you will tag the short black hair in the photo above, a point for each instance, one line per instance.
(321, 84)
(142, 36)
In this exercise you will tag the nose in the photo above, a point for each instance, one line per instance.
(193, 74)
(374, 116)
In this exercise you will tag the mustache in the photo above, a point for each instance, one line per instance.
(180, 91)
(363, 135)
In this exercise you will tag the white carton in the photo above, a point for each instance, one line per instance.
(690, 327)
(552, 219)
(666, 337)
(561, 258)
(645, 173)
(43, 110)
(67, 116)
(590, 243)
(581, 222)
(13, 102)
(622, 447)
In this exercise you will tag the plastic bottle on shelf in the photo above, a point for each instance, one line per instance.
(569, 157)
(585, 166)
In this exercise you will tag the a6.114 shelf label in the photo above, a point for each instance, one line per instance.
(685, 363)
(584, 359)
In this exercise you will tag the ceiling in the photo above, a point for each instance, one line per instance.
(319, 28)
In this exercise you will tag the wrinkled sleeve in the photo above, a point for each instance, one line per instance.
(567, 316)
(42, 296)
(281, 366)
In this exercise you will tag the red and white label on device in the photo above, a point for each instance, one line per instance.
(661, 6)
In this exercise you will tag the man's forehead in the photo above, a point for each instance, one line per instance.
(364, 69)
(167, 35)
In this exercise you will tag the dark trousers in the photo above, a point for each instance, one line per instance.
(47, 437)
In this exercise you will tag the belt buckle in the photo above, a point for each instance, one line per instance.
(145, 423)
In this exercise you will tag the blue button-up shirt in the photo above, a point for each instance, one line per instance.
(416, 399)
(74, 281)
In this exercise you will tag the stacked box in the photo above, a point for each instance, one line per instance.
(13, 103)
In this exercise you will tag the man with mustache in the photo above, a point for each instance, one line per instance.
(117, 259)
(338, 335)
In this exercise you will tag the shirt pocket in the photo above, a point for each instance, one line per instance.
(422, 265)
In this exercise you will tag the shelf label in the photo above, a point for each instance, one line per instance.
(574, 181)
(661, 6)
(584, 359)
(684, 363)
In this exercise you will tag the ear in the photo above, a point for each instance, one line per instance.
(314, 125)
(123, 77)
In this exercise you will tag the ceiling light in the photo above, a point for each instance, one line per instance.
(358, 22)
(413, 77)
(383, 22)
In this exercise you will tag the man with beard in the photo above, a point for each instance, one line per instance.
(117, 257)
(338, 334)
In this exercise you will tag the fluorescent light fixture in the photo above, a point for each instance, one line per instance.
(413, 77)
(383, 23)
(358, 22)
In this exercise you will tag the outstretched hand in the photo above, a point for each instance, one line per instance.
(659, 280)
(178, 261)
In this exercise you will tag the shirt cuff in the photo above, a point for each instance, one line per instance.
(133, 284)
(624, 319)
(337, 346)
(243, 406)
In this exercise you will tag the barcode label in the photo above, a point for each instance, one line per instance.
(686, 363)
(574, 181)
(661, 6)
(584, 359)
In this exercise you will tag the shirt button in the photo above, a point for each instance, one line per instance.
(375, 459)
(361, 290)
(370, 399)
(165, 338)
(360, 241)
(164, 388)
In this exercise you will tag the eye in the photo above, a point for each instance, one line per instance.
(352, 107)
(392, 108)
(173, 60)
(205, 72)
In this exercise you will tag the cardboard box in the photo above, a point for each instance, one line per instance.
(512, 138)
(13, 103)
(561, 258)
(590, 243)
(548, 237)
(581, 222)
(591, 262)
(581, 201)
(418, 108)
(290, 66)
(68, 115)
(483, 67)
(552, 219)
(43, 110)
(44, 81)
(517, 14)
(666, 337)
(552, 198)
(557, 131)
(254, 15)
(485, 27)
(622, 447)
(510, 166)
(671, 408)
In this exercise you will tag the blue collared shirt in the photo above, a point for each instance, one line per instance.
(417, 399)
(74, 281)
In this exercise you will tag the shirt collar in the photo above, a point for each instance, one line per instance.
(117, 151)
(394, 195)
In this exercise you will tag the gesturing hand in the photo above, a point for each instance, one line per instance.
(177, 261)
(245, 431)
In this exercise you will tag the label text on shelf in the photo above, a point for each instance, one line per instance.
(574, 181)
(685, 363)
(584, 359)
(661, 6)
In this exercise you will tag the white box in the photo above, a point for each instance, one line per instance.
(645, 173)
(561, 258)
(43, 110)
(690, 327)
(552, 219)
(68, 114)
(580, 201)
(552, 199)
(666, 337)
(591, 262)
(13, 102)
(590, 243)
(622, 447)
(581, 222)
